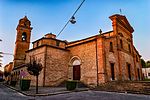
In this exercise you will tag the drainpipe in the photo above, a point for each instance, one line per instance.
(105, 70)
(134, 61)
(119, 58)
(96, 61)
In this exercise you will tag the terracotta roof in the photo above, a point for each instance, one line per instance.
(46, 46)
(86, 39)
(49, 38)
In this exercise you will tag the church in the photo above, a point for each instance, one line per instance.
(105, 57)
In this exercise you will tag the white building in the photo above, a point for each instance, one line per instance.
(146, 72)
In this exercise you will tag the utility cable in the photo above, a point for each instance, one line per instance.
(70, 18)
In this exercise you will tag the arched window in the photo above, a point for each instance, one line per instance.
(129, 48)
(121, 44)
(111, 47)
(24, 36)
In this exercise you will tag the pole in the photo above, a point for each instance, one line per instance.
(37, 84)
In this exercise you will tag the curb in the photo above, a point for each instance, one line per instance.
(129, 92)
(44, 94)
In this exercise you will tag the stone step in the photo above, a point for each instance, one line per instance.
(81, 85)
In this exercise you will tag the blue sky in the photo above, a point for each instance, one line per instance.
(50, 16)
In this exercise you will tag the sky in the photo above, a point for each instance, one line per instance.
(49, 16)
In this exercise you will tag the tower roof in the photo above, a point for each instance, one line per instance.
(24, 22)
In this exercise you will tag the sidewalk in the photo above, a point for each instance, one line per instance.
(45, 91)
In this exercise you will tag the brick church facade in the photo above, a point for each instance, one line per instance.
(105, 57)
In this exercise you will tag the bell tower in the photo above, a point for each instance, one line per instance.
(22, 41)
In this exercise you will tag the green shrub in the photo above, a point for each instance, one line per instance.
(146, 79)
(71, 85)
(25, 84)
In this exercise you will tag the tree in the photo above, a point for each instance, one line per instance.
(34, 68)
(148, 64)
(143, 63)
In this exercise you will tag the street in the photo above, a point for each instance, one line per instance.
(96, 95)
(9, 94)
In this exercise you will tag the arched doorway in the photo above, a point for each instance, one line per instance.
(75, 68)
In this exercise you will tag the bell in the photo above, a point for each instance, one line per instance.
(72, 20)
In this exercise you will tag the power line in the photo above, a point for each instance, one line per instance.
(6, 53)
(70, 19)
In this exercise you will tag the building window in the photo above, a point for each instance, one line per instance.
(111, 47)
(129, 48)
(148, 74)
(24, 36)
(57, 43)
(137, 58)
(120, 34)
(112, 71)
(37, 44)
(121, 43)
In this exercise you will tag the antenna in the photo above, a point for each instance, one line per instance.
(120, 10)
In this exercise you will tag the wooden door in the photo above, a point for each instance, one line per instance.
(138, 73)
(76, 72)
(112, 71)
(129, 71)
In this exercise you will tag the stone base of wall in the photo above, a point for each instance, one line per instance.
(125, 86)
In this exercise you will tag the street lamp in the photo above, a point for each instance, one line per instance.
(72, 19)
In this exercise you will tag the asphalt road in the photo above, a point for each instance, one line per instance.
(8, 94)
(96, 95)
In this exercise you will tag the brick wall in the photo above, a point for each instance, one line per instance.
(56, 69)
(39, 55)
(87, 54)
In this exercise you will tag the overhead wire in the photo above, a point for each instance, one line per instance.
(70, 18)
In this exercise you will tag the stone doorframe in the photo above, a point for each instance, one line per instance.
(74, 61)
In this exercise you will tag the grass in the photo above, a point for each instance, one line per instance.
(146, 79)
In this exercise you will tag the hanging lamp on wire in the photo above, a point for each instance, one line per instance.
(71, 20)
